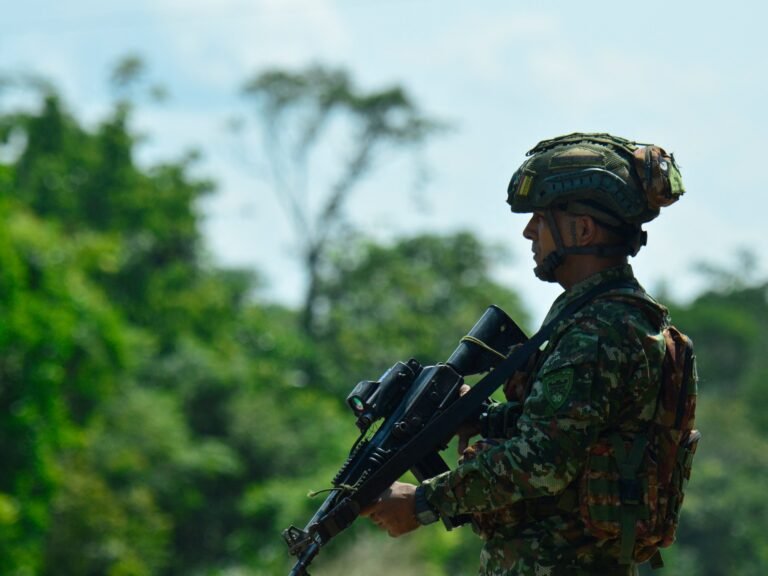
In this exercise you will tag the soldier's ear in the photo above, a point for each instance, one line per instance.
(584, 231)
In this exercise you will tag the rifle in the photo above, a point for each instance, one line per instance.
(405, 418)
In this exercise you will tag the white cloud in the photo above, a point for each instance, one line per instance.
(218, 42)
(489, 47)
(626, 79)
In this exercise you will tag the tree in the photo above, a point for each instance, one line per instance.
(104, 284)
(414, 298)
(727, 325)
(89, 184)
(62, 351)
(300, 115)
(725, 513)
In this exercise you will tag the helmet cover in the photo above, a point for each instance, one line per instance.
(617, 181)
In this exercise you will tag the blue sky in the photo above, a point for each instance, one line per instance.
(689, 76)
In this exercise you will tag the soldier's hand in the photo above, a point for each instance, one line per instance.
(467, 430)
(395, 510)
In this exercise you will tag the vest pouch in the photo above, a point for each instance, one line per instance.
(681, 474)
(620, 494)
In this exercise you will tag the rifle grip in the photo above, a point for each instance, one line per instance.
(432, 465)
(429, 467)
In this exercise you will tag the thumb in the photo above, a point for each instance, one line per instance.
(371, 508)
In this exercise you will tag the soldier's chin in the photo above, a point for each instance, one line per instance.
(543, 274)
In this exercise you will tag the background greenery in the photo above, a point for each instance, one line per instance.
(158, 416)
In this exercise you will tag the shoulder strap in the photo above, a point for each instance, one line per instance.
(437, 432)
(656, 314)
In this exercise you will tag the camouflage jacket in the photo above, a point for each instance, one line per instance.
(600, 370)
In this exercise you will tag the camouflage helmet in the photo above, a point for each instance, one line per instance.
(618, 182)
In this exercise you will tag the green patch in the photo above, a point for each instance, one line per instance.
(557, 386)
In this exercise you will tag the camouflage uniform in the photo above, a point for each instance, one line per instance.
(600, 370)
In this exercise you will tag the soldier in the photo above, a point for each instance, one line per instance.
(600, 371)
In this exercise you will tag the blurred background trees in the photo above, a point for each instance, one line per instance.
(159, 417)
(300, 116)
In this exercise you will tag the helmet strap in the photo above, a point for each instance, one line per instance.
(630, 247)
(546, 270)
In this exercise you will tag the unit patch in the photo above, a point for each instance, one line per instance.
(557, 386)
(525, 185)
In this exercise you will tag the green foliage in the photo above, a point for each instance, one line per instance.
(100, 528)
(416, 298)
(99, 288)
(727, 331)
(726, 511)
(62, 351)
(89, 182)
(722, 528)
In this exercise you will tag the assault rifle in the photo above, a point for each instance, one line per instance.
(405, 418)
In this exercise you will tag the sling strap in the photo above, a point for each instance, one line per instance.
(437, 432)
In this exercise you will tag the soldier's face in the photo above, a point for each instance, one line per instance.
(538, 232)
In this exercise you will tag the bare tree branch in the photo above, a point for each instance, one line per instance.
(296, 113)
